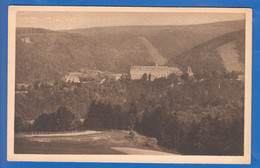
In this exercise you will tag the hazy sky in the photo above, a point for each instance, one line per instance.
(74, 20)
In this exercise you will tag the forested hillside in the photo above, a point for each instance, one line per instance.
(224, 53)
(48, 55)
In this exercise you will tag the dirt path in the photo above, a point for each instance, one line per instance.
(135, 151)
(86, 142)
(57, 134)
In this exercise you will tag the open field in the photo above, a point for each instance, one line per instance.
(87, 142)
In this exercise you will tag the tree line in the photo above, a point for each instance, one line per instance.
(191, 117)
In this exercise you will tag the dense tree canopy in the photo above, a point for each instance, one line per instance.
(59, 121)
(200, 115)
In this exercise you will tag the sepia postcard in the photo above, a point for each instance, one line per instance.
(129, 84)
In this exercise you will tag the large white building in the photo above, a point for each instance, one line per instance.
(137, 72)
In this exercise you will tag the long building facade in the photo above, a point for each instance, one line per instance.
(154, 72)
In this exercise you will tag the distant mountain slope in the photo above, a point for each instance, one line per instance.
(28, 30)
(224, 53)
(231, 57)
(154, 52)
(170, 41)
(44, 54)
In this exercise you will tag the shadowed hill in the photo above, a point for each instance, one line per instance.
(224, 53)
(28, 30)
(45, 55)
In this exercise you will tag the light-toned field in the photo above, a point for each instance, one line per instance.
(88, 142)
(135, 151)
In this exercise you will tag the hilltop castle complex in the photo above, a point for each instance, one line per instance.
(154, 72)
